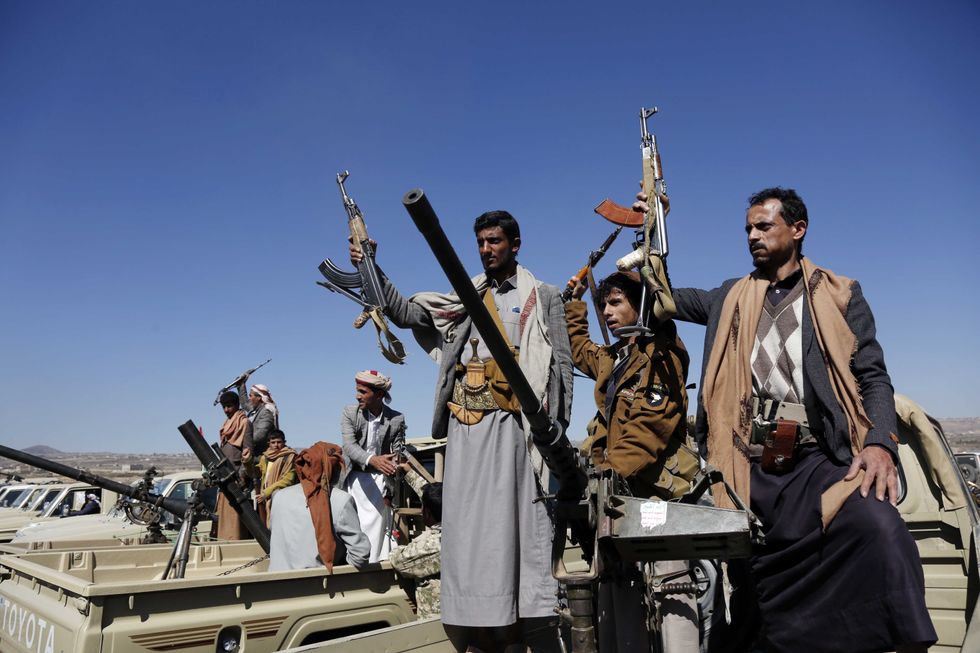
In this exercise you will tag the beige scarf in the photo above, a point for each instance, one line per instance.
(728, 377)
(277, 465)
(234, 428)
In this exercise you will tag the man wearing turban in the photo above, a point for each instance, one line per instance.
(371, 431)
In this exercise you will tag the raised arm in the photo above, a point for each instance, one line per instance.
(586, 355)
(560, 404)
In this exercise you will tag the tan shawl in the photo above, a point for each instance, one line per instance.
(277, 465)
(234, 428)
(728, 377)
(316, 468)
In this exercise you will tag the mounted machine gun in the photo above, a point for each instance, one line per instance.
(146, 511)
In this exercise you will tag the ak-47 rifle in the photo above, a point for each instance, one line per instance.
(370, 296)
(651, 251)
(586, 273)
(240, 380)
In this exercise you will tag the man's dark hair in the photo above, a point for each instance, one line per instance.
(432, 500)
(229, 399)
(276, 434)
(625, 283)
(501, 219)
(793, 211)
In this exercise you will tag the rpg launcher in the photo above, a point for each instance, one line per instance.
(220, 473)
(363, 286)
(651, 243)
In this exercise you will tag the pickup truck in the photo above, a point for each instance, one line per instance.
(14, 496)
(110, 600)
(47, 503)
(114, 524)
(935, 503)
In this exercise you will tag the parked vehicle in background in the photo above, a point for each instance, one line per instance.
(115, 524)
(50, 502)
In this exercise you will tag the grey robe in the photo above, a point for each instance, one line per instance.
(293, 541)
(496, 543)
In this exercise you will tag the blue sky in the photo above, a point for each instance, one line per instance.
(167, 181)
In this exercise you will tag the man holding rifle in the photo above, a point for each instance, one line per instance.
(497, 587)
(639, 432)
(796, 403)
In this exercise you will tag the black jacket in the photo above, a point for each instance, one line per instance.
(868, 364)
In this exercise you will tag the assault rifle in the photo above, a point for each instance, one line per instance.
(370, 295)
(241, 380)
(586, 273)
(651, 233)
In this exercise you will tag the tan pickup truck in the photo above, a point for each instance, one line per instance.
(50, 503)
(108, 600)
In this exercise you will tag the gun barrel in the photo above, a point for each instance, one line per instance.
(548, 438)
(175, 506)
(236, 496)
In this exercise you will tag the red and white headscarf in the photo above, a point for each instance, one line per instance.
(266, 397)
(373, 379)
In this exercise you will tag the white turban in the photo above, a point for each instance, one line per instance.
(374, 379)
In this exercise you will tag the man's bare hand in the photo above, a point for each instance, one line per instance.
(356, 255)
(641, 206)
(579, 288)
(879, 470)
(384, 464)
(260, 499)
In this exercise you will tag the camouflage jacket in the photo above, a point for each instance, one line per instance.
(419, 559)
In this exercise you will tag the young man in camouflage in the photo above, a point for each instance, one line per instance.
(419, 559)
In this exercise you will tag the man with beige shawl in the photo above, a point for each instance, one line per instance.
(792, 341)
(236, 445)
(497, 588)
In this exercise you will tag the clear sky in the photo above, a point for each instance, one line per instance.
(167, 181)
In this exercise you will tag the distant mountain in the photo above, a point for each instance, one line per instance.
(41, 450)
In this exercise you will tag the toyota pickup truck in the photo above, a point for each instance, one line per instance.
(112, 525)
(48, 503)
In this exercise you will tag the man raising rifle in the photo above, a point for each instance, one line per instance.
(497, 587)
(796, 404)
